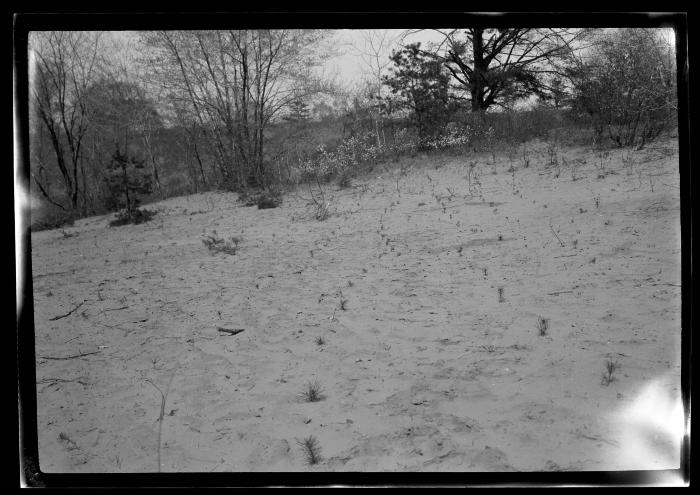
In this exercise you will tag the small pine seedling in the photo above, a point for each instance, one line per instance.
(542, 325)
(311, 450)
(320, 341)
(500, 295)
(312, 393)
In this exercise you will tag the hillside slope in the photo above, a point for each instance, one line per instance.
(426, 368)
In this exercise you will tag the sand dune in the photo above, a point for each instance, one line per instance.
(426, 368)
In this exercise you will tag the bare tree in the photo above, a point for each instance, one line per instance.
(235, 83)
(65, 64)
(374, 54)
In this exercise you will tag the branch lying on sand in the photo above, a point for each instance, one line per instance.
(555, 235)
(68, 313)
(163, 399)
(70, 357)
(55, 381)
(229, 331)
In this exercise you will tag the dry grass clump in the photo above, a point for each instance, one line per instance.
(312, 393)
(608, 375)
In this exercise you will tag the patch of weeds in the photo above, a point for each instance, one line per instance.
(525, 156)
(542, 326)
(54, 220)
(216, 244)
(70, 444)
(269, 198)
(603, 157)
(344, 179)
(321, 211)
(311, 449)
(312, 393)
(608, 375)
(136, 216)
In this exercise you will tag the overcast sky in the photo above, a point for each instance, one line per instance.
(352, 64)
(349, 64)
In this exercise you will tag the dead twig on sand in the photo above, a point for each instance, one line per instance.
(69, 357)
(55, 381)
(68, 313)
(163, 398)
(229, 331)
(555, 235)
(559, 292)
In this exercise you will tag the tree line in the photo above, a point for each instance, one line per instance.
(194, 109)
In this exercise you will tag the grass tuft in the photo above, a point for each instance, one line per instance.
(608, 375)
(312, 393)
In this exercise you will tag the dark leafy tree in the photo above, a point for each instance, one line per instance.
(419, 84)
(493, 65)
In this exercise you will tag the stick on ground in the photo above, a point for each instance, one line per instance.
(70, 357)
(68, 313)
(230, 331)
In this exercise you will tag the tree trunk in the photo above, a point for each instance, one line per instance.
(480, 68)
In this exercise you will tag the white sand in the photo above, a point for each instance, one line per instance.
(425, 370)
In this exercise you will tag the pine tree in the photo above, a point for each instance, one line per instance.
(127, 180)
(298, 111)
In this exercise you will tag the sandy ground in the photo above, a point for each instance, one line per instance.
(426, 368)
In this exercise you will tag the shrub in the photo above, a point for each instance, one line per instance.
(135, 216)
(268, 198)
(53, 218)
(628, 86)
